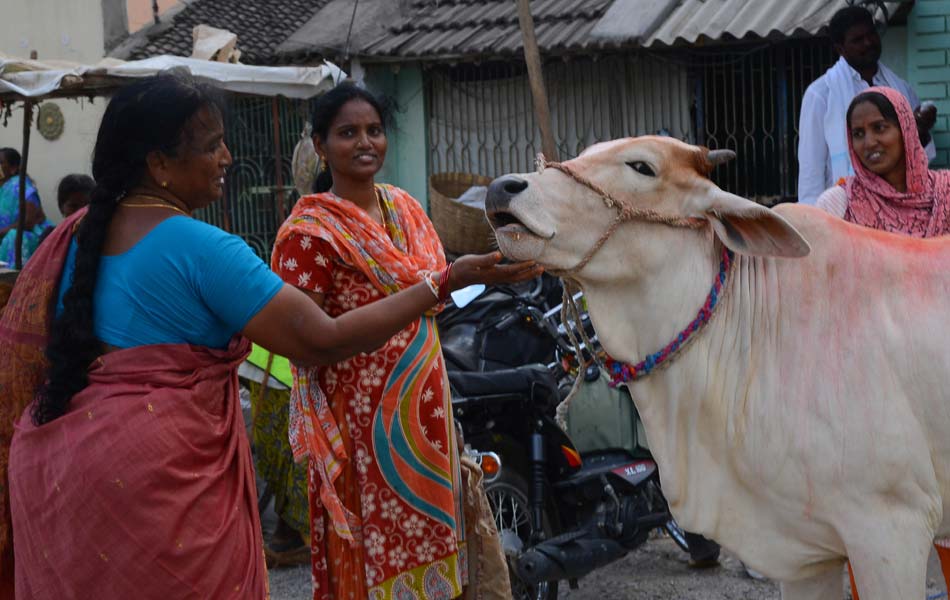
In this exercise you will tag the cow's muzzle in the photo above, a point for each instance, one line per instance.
(500, 193)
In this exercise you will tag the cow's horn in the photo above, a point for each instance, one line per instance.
(718, 157)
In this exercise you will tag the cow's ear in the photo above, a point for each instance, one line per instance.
(749, 228)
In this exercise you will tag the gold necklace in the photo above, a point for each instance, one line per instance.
(165, 204)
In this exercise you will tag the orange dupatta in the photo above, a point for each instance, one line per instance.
(394, 257)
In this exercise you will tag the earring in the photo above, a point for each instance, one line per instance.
(323, 164)
(164, 184)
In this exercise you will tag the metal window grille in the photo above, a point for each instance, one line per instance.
(258, 197)
(481, 118)
(748, 99)
(743, 97)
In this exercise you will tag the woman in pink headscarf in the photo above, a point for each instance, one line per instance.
(892, 189)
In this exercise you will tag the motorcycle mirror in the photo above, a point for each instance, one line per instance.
(462, 297)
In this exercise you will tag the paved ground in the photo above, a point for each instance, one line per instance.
(290, 583)
(656, 571)
(286, 583)
(660, 570)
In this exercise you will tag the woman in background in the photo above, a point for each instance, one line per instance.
(35, 220)
(892, 188)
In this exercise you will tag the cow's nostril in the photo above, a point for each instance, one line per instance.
(501, 191)
(515, 186)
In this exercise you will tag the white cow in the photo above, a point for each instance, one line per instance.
(809, 421)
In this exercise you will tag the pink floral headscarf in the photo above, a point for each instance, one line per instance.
(924, 209)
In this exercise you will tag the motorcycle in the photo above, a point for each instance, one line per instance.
(565, 502)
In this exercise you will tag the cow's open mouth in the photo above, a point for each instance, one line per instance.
(505, 223)
(499, 219)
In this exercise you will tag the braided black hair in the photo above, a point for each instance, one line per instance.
(146, 116)
(328, 106)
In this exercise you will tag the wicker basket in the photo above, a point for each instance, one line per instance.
(463, 229)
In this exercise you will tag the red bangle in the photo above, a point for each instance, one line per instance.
(444, 283)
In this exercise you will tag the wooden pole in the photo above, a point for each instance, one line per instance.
(24, 158)
(536, 78)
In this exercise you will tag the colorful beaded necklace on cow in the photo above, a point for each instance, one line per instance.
(623, 372)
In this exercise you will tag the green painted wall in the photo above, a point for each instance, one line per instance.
(406, 159)
(894, 49)
(928, 70)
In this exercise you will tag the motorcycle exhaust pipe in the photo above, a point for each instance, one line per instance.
(553, 560)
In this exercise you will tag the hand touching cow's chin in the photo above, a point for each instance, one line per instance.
(518, 243)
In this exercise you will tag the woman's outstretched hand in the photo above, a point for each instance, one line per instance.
(484, 268)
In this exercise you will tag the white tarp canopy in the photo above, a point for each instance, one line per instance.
(37, 79)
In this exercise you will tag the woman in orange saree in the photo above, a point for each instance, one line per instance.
(386, 512)
(384, 503)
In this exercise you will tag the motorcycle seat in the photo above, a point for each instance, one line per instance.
(520, 380)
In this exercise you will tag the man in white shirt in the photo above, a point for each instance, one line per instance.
(822, 132)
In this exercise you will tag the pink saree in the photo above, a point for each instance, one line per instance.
(145, 488)
(24, 329)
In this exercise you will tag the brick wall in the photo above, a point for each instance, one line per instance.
(928, 67)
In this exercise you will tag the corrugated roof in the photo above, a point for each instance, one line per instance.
(434, 29)
(261, 26)
(342, 27)
(470, 28)
(272, 31)
(691, 20)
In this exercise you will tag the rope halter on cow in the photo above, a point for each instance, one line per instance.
(625, 213)
(624, 372)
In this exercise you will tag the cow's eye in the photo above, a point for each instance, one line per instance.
(642, 168)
